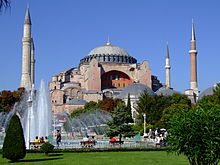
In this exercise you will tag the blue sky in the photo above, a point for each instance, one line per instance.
(66, 31)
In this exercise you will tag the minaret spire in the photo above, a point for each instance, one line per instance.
(27, 19)
(193, 38)
(26, 52)
(167, 67)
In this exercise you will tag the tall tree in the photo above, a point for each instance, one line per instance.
(119, 125)
(14, 143)
(129, 108)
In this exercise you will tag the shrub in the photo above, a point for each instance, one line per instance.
(14, 143)
(46, 148)
(195, 134)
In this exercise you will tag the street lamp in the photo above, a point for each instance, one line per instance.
(145, 134)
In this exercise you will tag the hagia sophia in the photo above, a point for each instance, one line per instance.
(107, 71)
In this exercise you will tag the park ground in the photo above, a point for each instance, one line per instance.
(102, 158)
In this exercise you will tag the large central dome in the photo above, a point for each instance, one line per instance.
(109, 53)
(108, 50)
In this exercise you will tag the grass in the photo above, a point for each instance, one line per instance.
(102, 158)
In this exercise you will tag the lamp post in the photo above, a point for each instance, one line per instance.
(145, 134)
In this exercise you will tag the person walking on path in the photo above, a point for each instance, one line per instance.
(58, 139)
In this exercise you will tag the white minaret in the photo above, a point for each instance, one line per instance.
(32, 62)
(167, 67)
(26, 52)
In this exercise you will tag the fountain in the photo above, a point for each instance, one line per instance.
(92, 122)
(34, 112)
(38, 115)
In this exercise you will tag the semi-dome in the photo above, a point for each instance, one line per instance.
(207, 92)
(165, 91)
(109, 53)
(135, 90)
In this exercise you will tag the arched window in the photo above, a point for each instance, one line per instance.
(72, 92)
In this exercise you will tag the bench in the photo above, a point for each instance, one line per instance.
(116, 142)
(34, 145)
(88, 144)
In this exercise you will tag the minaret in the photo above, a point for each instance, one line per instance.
(26, 52)
(32, 62)
(193, 92)
(193, 61)
(167, 67)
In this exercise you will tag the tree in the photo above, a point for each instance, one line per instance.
(8, 98)
(4, 4)
(91, 105)
(216, 92)
(129, 108)
(208, 101)
(171, 111)
(177, 98)
(196, 134)
(152, 106)
(14, 143)
(47, 148)
(119, 125)
(145, 105)
(108, 104)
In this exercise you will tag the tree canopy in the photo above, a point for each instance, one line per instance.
(8, 98)
(119, 125)
(196, 134)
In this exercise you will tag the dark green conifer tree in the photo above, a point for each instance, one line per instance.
(14, 143)
(129, 108)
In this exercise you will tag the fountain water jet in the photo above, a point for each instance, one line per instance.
(34, 112)
(37, 118)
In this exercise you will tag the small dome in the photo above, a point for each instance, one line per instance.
(165, 91)
(135, 90)
(108, 50)
(207, 92)
(76, 102)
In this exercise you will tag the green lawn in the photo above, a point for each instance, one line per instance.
(103, 158)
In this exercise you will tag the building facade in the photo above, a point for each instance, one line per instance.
(104, 72)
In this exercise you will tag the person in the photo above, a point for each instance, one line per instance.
(42, 140)
(36, 140)
(85, 139)
(58, 139)
(46, 139)
(157, 140)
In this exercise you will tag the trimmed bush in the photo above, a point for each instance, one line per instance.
(46, 148)
(14, 143)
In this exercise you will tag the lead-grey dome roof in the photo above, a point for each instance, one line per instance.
(165, 91)
(76, 102)
(206, 92)
(108, 50)
(135, 90)
(109, 53)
